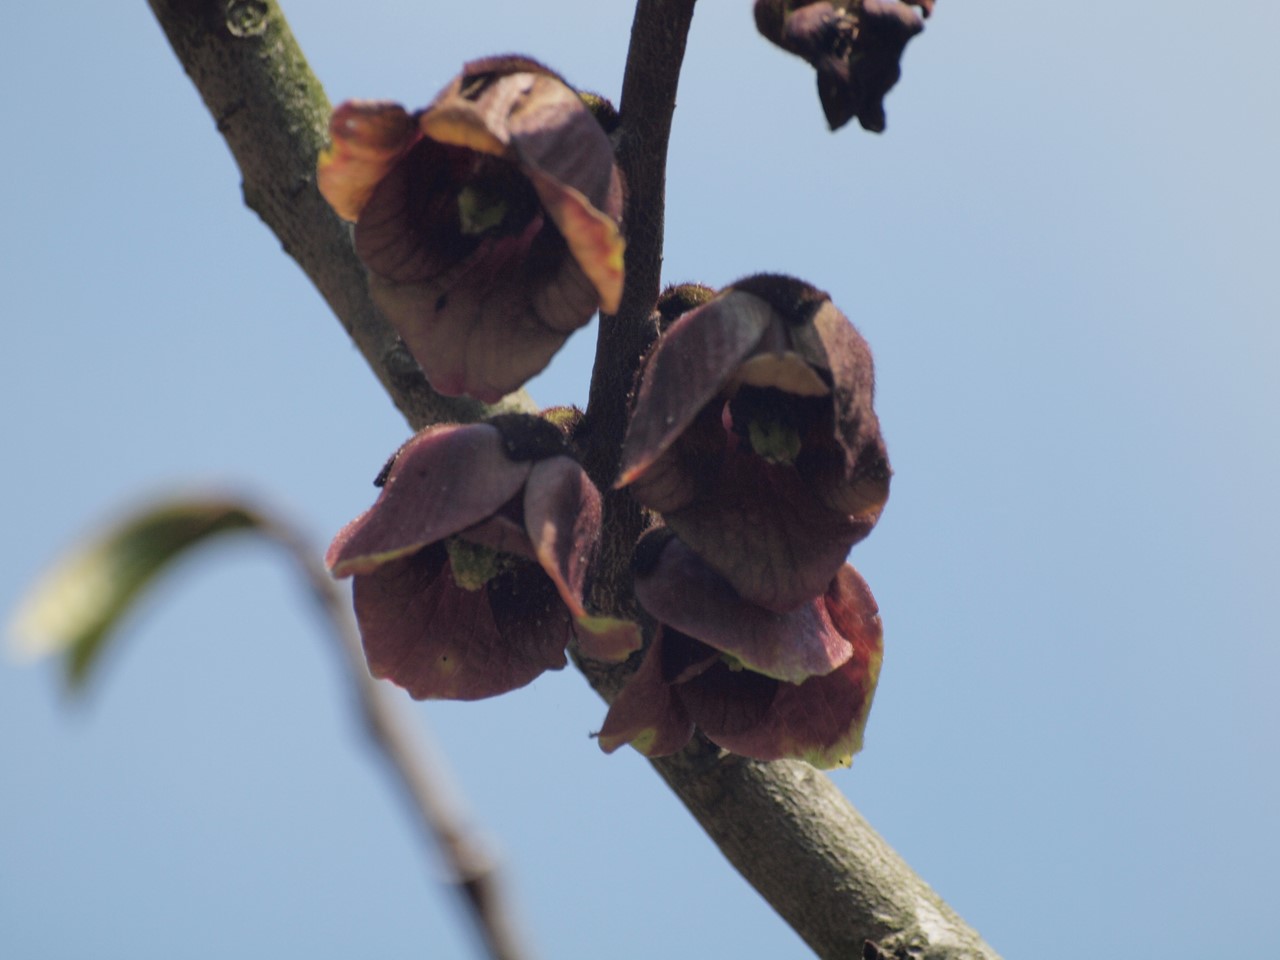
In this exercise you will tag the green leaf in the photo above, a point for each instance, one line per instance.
(74, 608)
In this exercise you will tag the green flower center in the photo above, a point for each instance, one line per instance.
(773, 438)
(473, 565)
(479, 211)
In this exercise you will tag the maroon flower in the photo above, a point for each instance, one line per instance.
(469, 567)
(759, 684)
(753, 434)
(855, 45)
(488, 220)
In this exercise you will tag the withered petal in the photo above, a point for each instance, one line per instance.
(682, 591)
(854, 45)
(447, 478)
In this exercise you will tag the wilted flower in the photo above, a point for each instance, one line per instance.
(488, 221)
(759, 684)
(469, 567)
(855, 45)
(753, 434)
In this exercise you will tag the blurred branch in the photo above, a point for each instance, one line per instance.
(783, 825)
(75, 610)
(418, 766)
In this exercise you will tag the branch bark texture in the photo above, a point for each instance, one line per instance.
(783, 825)
(274, 115)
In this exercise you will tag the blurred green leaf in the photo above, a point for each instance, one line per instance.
(72, 610)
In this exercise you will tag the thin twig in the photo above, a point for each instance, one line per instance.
(785, 827)
(417, 766)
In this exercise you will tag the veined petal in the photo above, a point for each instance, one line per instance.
(447, 478)
(369, 138)
(427, 634)
(759, 525)
(593, 237)
(684, 592)
(820, 721)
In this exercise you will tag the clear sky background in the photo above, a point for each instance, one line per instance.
(1064, 254)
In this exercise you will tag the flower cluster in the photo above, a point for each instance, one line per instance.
(490, 225)
(753, 436)
(469, 568)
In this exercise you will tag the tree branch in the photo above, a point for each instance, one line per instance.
(783, 825)
(274, 115)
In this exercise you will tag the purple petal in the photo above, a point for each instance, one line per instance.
(761, 527)
(645, 713)
(501, 534)
(820, 721)
(562, 511)
(688, 368)
(445, 479)
(480, 313)
(426, 634)
(562, 516)
(685, 593)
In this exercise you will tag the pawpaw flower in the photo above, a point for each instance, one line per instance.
(759, 684)
(488, 220)
(754, 435)
(469, 567)
(855, 46)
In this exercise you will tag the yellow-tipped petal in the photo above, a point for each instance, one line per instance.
(369, 137)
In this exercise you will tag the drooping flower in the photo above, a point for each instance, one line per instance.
(754, 435)
(488, 220)
(855, 46)
(759, 684)
(469, 567)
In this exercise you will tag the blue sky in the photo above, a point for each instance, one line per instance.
(1062, 253)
